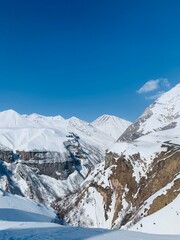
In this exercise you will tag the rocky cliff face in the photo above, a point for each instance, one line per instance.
(48, 163)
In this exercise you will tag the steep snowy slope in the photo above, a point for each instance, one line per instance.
(162, 115)
(111, 125)
(138, 177)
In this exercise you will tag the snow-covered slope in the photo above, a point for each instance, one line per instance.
(20, 209)
(111, 125)
(165, 221)
(24, 219)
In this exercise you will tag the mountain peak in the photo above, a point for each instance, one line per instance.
(111, 125)
(9, 112)
(105, 118)
(10, 118)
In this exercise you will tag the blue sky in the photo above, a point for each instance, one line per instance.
(87, 57)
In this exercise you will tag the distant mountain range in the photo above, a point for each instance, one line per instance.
(29, 132)
(110, 173)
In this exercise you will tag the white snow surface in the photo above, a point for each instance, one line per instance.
(111, 125)
(22, 219)
(164, 221)
(52, 231)
(17, 208)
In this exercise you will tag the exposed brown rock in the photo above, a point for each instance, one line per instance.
(163, 200)
(164, 169)
(122, 178)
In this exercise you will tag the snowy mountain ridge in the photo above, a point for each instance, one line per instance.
(28, 132)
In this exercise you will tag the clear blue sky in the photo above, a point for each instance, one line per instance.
(86, 57)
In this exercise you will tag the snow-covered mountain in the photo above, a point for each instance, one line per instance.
(140, 175)
(111, 125)
(46, 158)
